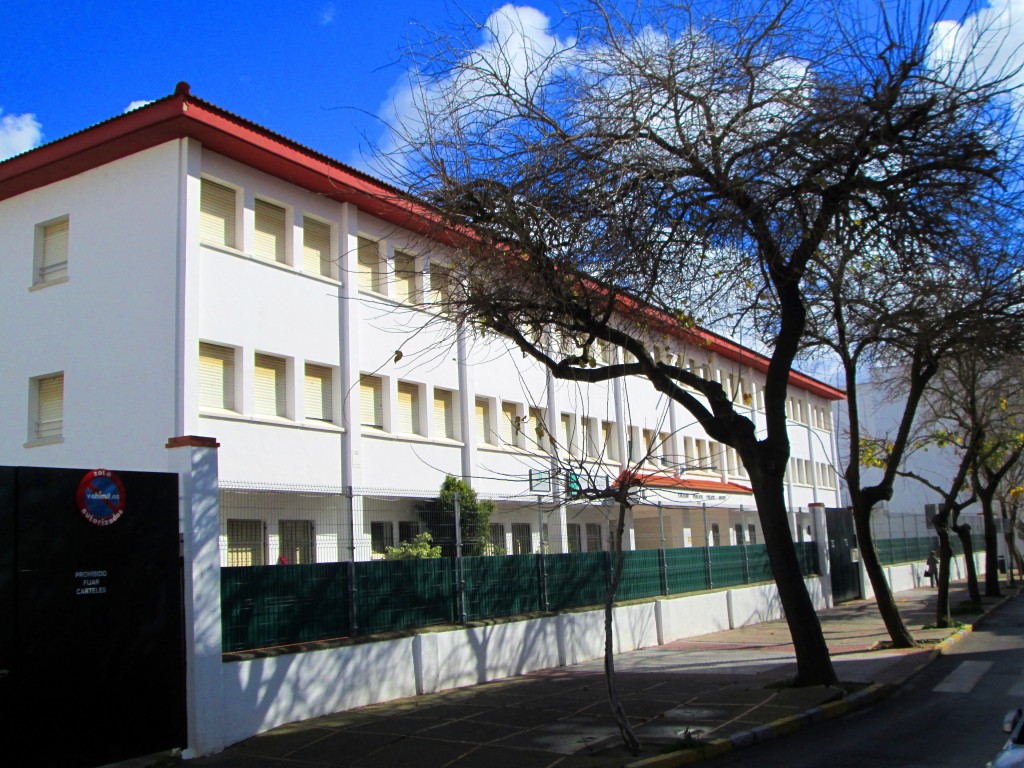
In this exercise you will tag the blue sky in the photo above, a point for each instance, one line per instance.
(317, 71)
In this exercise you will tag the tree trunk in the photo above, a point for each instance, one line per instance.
(814, 665)
(991, 544)
(618, 711)
(942, 618)
(964, 532)
(898, 632)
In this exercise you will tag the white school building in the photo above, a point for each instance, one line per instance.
(179, 270)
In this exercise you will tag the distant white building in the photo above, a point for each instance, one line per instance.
(179, 270)
(905, 514)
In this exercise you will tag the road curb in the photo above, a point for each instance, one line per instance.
(828, 711)
(787, 725)
(781, 727)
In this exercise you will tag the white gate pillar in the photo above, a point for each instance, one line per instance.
(194, 459)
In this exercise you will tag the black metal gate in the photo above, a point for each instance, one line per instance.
(842, 555)
(91, 645)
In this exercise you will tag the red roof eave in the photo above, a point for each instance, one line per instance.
(183, 116)
(669, 482)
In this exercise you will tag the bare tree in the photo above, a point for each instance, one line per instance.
(1009, 496)
(991, 470)
(970, 412)
(691, 164)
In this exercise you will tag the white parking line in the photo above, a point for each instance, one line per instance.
(964, 677)
(1017, 691)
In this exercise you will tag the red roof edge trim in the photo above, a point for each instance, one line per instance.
(720, 345)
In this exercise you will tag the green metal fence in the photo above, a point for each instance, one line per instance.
(892, 551)
(271, 606)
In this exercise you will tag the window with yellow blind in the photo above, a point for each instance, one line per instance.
(371, 273)
(269, 236)
(664, 449)
(216, 377)
(270, 384)
(538, 434)
(217, 214)
(440, 283)
(444, 415)
(246, 542)
(591, 438)
(483, 422)
(609, 441)
(296, 542)
(509, 427)
(51, 259)
(406, 288)
(703, 460)
(569, 433)
(689, 456)
(371, 402)
(650, 445)
(319, 392)
(574, 537)
(48, 392)
(408, 422)
(316, 248)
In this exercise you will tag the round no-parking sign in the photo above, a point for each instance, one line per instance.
(100, 497)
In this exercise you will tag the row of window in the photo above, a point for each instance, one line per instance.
(399, 277)
(218, 378)
(246, 542)
(807, 472)
(497, 423)
(514, 539)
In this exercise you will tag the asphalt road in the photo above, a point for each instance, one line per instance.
(948, 715)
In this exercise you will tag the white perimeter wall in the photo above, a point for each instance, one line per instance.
(263, 693)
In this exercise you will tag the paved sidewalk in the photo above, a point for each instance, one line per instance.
(702, 695)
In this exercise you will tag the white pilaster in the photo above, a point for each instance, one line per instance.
(194, 459)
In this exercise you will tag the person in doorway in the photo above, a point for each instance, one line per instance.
(932, 572)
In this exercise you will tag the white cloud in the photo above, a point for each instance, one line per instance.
(137, 104)
(988, 44)
(18, 133)
(516, 41)
(327, 14)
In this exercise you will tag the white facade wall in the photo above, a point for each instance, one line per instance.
(110, 328)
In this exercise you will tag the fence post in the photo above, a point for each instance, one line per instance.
(460, 582)
(743, 544)
(350, 568)
(662, 560)
(347, 493)
(707, 546)
(353, 595)
(542, 567)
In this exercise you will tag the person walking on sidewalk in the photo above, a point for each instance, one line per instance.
(932, 571)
